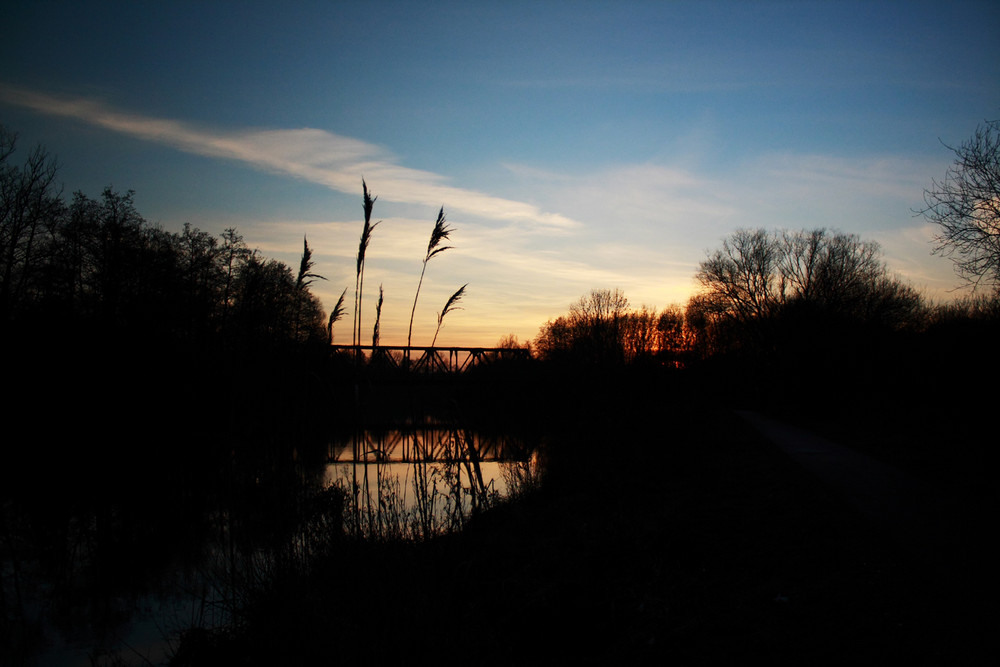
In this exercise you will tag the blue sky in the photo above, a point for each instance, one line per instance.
(573, 145)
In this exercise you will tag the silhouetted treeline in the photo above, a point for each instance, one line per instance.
(787, 317)
(764, 291)
(93, 267)
(600, 329)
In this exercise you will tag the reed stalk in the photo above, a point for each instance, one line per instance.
(359, 279)
(440, 233)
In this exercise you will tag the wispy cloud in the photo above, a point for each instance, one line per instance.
(314, 155)
(655, 221)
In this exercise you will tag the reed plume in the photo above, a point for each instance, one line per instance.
(306, 276)
(335, 315)
(359, 279)
(448, 307)
(302, 282)
(438, 234)
(378, 319)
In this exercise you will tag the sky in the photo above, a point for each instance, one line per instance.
(573, 145)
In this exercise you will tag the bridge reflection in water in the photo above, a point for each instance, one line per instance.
(418, 481)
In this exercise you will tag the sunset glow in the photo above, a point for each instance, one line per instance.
(572, 146)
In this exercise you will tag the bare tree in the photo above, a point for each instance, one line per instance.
(640, 335)
(756, 272)
(233, 253)
(594, 331)
(835, 271)
(29, 201)
(759, 276)
(672, 333)
(554, 339)
(966, 208)
(510, 342)
(601, 305)
(742, 276)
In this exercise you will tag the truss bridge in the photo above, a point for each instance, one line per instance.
(429, 359)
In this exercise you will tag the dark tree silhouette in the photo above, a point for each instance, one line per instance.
(755, 273)
(842, 274)
(639, 334)
(97, 266)
(803, 321)
(116, 261)
(593, 331)
(510, 342)
(29, 203)
(270, 308)
(760, 279)
(234, 253)
(201, 283)
(554, 339)
(965, 206)
(741, 280)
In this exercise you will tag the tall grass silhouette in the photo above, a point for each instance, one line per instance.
(303, 281)
(440, 233)
(448, 307)
(335, 315)
(359, 280)
(378, 318)
(306, 276)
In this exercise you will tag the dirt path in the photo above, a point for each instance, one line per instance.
(908, 509)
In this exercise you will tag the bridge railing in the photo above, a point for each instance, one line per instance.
(429, 359)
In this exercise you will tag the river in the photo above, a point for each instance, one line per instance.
(265, 510)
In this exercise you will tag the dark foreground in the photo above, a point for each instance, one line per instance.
(682, 537)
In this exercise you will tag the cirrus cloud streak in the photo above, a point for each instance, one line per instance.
(311, 154)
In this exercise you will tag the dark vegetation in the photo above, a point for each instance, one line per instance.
(173, 399)
(965, 208)
(139, 366)
(94, 269)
